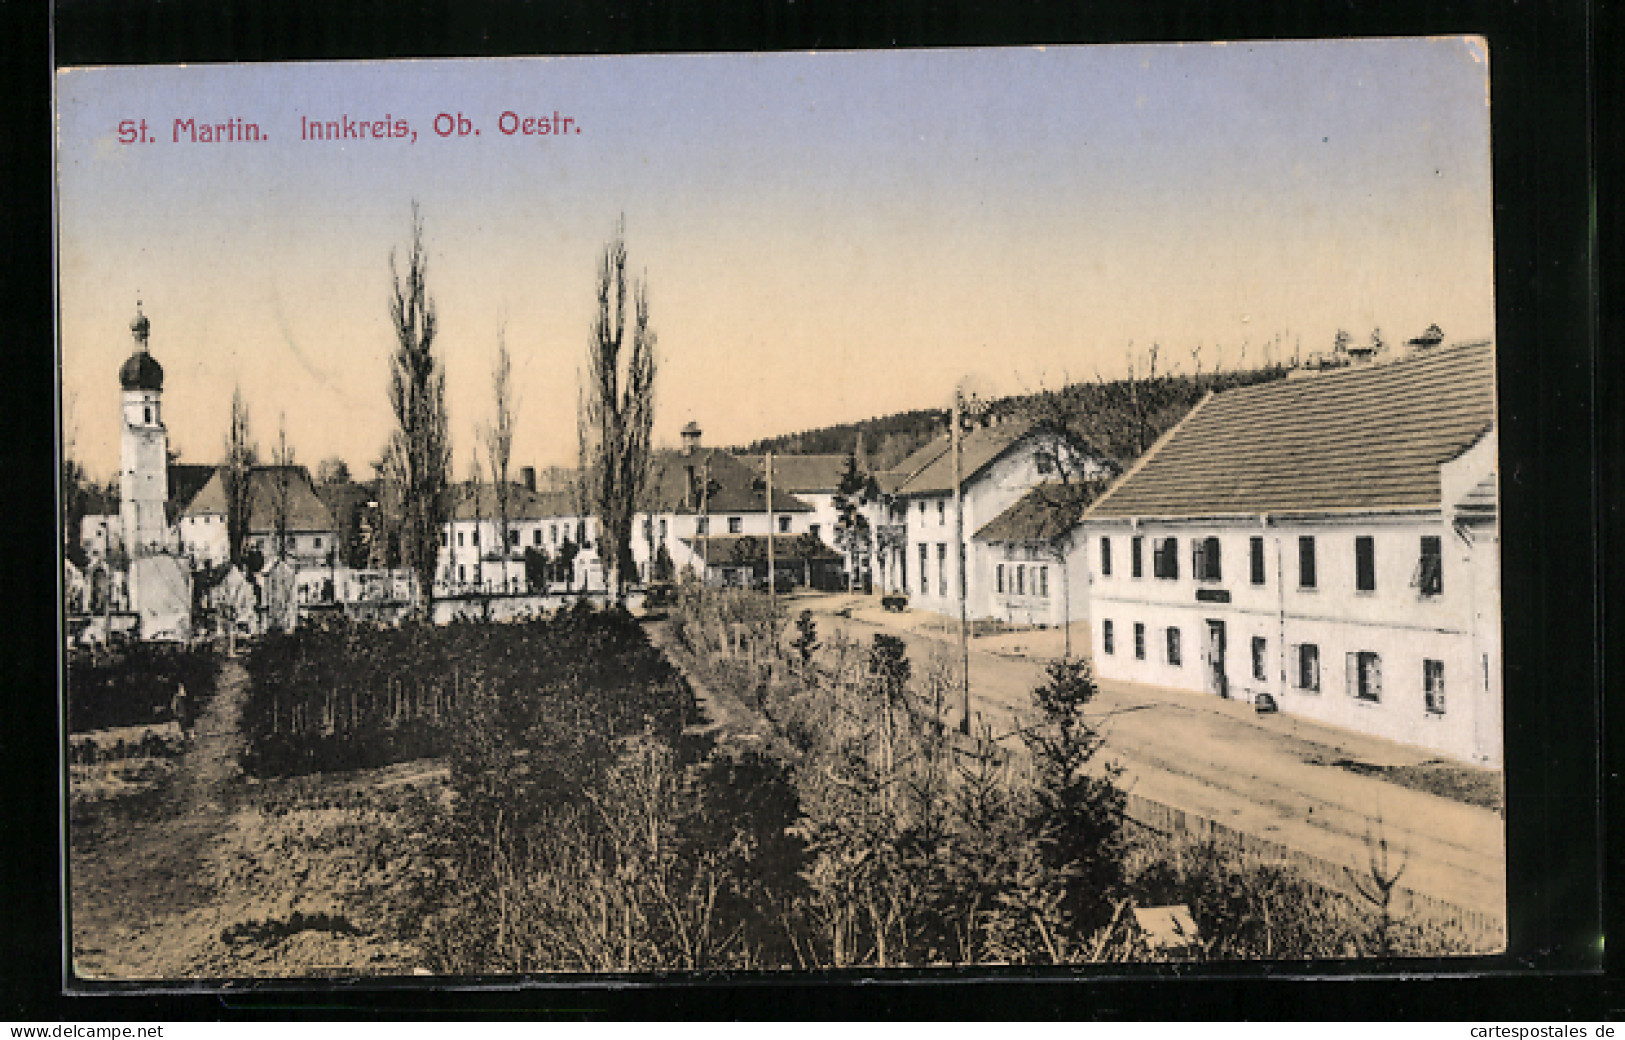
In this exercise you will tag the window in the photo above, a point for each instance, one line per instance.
(1173, 647)
(459, 538)
(1044, 462)
(1363, 674)
(1307, 656)
(442, 539)
(736, 524)
(942, 512)
(1165, 558)
(1433, 686)
(1136, 546)
(1255, 558)
(1139, 641)
(1105, 556)
(648, 528)
(555, 535)
(702, 525)
(462, 572)
(536, 536)
(1306, 562)
(318, 543)
(1365, 564)
(1430, 568)
(513, 537)
(784, 525)
(812, 529)
(1205, 558)
(999, 576)
(1021, 579)
(1043, 582)
(942, 569)
(1260, 667)
(662, 528)
(1108, 642)
(925, 560)
(476, 533)
(922, 510)
(147, 411)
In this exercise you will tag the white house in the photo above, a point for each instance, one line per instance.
(1329, 541)
(916, 524)
(706, 508)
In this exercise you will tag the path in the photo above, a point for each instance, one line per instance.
(139, 867)
(1268, 775)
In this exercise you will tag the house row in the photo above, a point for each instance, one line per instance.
(703, 509)
(1325, 544)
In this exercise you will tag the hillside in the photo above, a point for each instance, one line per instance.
(1119, 418)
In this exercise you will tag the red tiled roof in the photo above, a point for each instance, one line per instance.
(1369, 437)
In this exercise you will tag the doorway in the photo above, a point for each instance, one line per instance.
(1217, 682)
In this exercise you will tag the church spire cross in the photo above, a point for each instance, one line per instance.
(140, 326)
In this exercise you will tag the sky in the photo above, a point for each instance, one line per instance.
(825, 236)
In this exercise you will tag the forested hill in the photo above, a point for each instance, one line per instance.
(1121, 418)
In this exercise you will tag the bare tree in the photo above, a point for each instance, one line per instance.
(419, 453)
(618, 410)
(282, 488)
(499, 448)
(238, 478)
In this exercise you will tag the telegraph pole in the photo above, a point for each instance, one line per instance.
(959, 539)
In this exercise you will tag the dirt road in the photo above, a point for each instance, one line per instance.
(210, 875)
(1273, 776)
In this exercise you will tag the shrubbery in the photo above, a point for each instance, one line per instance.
(337, 694)
(134, 685)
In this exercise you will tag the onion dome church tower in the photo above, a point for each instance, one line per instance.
(144, 468)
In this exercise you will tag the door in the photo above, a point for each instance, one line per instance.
(1214, 654)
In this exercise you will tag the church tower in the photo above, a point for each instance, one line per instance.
(144, 468)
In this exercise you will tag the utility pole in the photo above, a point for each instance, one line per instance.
(772, 588)
(705, 522)
(959, 539)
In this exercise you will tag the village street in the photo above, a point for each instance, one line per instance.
(1279, 777)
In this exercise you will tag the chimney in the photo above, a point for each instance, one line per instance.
(527, 474)
(691, 437)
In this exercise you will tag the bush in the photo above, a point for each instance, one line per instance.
(134, 686)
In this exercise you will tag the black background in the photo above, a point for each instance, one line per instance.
(1555, 94)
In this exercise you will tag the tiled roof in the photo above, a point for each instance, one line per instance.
(523, 504)
(186, 479)
(798, 473)
(752, 548)
(306, 511)
(929, 470)
(1043, 514)
(1369, 437)
(734, 486)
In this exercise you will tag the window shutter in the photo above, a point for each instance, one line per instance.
(1376, 677)
(1351, 674)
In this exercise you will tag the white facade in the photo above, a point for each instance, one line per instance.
(1382, 621)
(930, 563)
(143, 473)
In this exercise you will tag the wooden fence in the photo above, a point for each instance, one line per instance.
(1487, 931)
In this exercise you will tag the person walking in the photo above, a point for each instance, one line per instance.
(180, 709)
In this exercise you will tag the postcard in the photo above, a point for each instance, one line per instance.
(780, 512)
